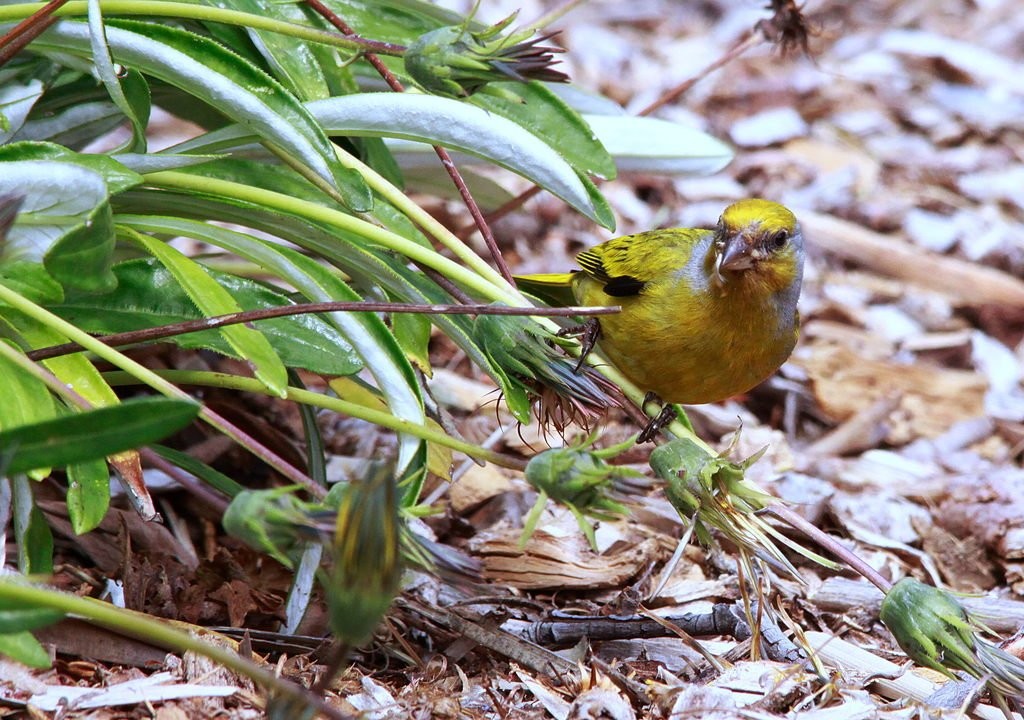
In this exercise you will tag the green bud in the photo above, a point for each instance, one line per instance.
(711, 492)
(529, 354)
(366, 552)
(694, 477)
(457, 62)
(578, 477)
(581, 480)
(932, 628)
(268, 520)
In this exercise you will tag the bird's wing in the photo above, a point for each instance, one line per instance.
(625, 265)
(553, 288)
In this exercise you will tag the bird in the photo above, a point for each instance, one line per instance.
(706, 313)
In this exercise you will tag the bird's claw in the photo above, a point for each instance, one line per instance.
(663, 418)
(588, 333)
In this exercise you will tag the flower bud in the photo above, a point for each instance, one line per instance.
(366, 552)
(457, 62)
(581, 480)
(932, 628)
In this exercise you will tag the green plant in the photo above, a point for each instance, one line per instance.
(303, 156)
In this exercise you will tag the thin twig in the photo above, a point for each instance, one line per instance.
(196, 488)
(514, 204)
(28, 30)
(797, 522)
(747, 41)
(132, 337)
(443, 155)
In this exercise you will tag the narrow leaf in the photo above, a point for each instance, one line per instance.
(24, 648)
(16, 100)
(652, 145)
(108, 75)
(208, 71)
(212, 299)
(93, 434)
(88, 494)
(434, 120)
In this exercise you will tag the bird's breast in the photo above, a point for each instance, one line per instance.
(698, 347)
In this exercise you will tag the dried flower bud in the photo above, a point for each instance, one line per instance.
(366, 552)
(457, 62)
(524, 350)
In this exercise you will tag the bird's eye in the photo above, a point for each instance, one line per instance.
(779, 239)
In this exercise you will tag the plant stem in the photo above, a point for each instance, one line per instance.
(44, 376)
(442, 154)
(28, 30)
(377, 417)
(426, 221)
(185, 327)
(144, 375)
(190, 11)
(797, 522)
(158, 632)
(494, 291)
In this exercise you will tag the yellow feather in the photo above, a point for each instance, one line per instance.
(706, 314)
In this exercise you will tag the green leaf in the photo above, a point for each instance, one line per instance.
(88, 494)
(147, 295)
(26, 400)
(398, 21)
(65, 220)
(16, 100)
(262, 174)
(215, 479)
(81, 258)
(413, 334)
(440, 121)
(239, 90)
(75, 369)
(425, 175)
(74, 126)
(150, 163)
(35, 541)
(551, 119)
(31, 280)
(93, 434)
(135, 109)
(24, 648)
(16, 617)
(117, 177)
(212, 299)
(65, 217)
(652, 145)
(292, 61)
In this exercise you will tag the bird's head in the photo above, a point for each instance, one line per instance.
(759, 239)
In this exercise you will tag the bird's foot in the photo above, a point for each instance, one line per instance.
(663, 418)
(588, 334)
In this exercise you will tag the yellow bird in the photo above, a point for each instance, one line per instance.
(706, 314)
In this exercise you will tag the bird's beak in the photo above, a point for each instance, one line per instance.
(737, 253)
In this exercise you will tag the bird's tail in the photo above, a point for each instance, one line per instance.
(553, 288)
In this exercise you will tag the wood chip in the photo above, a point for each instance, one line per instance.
(932, 399)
